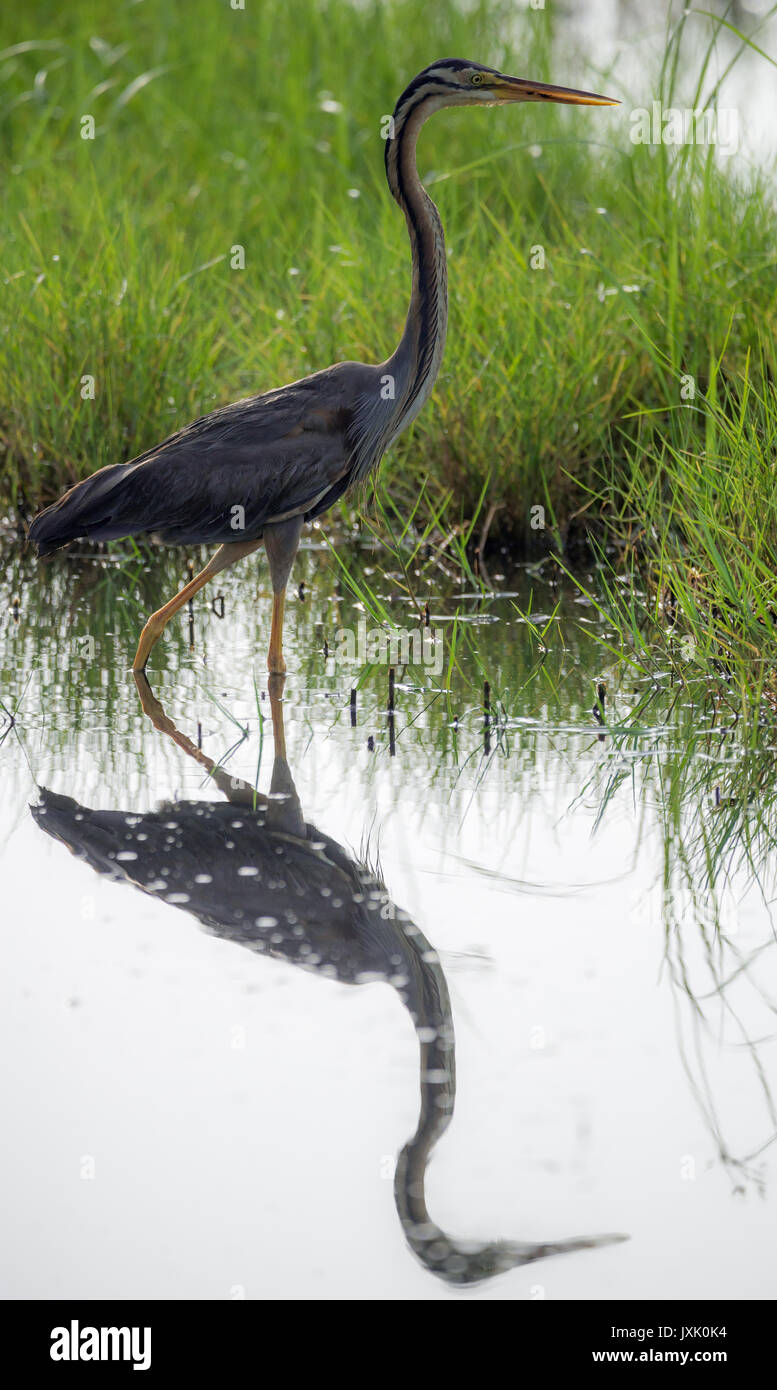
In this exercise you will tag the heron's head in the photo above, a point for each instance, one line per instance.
(457, 82)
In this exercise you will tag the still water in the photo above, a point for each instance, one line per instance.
(304, 999)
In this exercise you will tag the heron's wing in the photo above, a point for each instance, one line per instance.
(232, 473)
(227, 475)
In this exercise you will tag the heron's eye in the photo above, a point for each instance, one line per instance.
(477, 79)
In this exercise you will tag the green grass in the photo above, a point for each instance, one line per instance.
(561, 386)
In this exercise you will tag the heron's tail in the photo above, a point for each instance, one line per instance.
(90, 509)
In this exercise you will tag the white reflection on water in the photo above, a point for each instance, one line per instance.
(242, 1116)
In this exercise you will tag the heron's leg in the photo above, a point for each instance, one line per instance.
(235, 790)
(275, 686)
(224, 556)
(281, 542)
(284, 811)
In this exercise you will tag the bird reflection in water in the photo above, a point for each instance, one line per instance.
(253, 871)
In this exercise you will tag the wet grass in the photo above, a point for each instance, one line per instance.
(690, 565)
(565, 385)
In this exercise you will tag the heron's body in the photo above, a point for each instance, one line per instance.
(258, 469)
(282, 454)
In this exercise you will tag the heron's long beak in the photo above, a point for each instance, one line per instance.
(520, 89)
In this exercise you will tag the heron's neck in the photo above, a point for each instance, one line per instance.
(416, 362)
(425, 995)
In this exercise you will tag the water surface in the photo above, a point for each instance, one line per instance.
(233, 998)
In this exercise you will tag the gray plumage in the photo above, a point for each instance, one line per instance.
(274, 455)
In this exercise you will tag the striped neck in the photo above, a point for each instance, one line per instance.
(416, 362)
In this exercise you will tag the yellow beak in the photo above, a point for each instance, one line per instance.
(520, 89)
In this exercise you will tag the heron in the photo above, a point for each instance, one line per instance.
(255, 471)
(305, 901)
